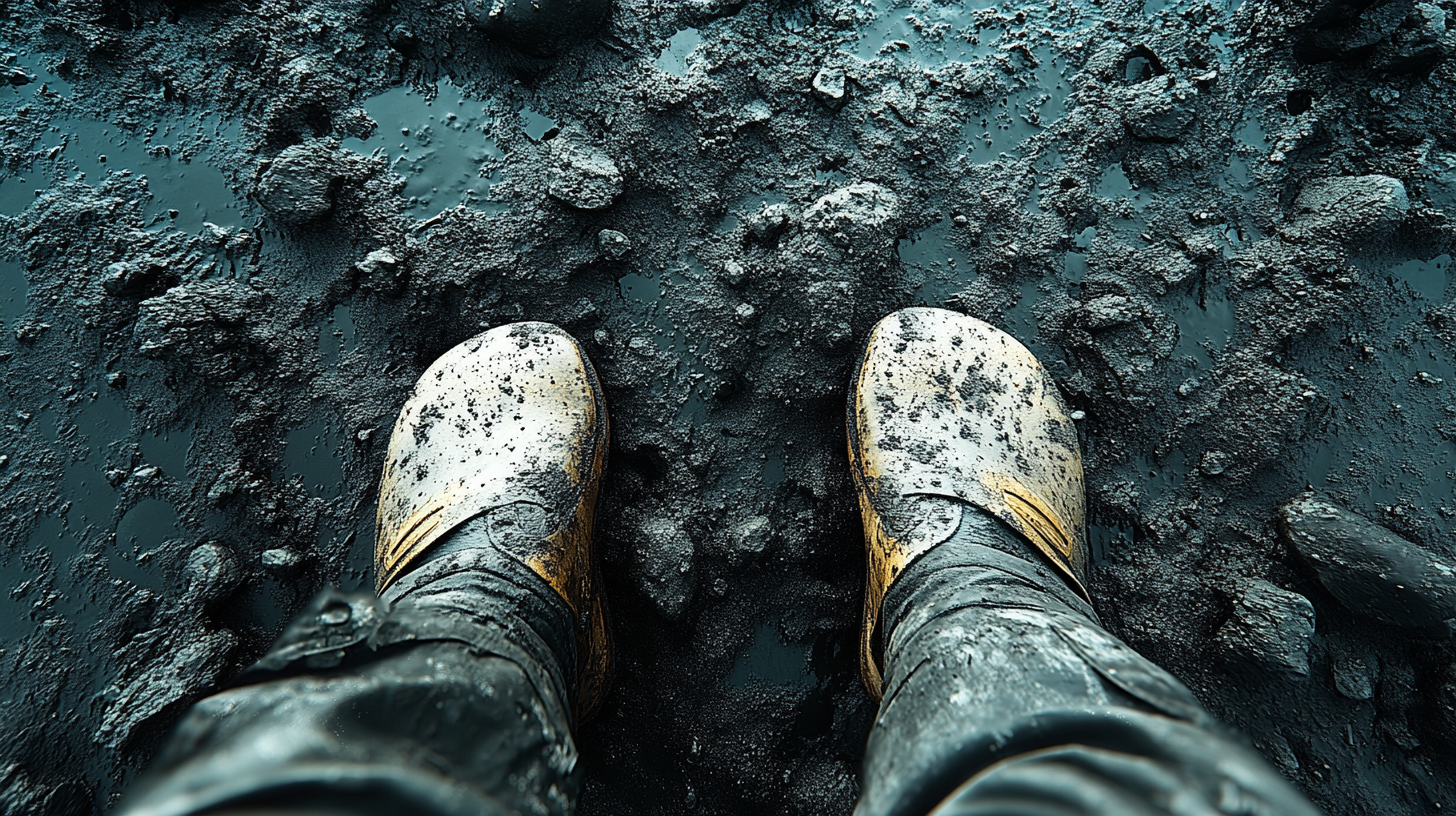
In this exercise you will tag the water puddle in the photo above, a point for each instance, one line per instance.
(186, 193)
(538, 127)
(1427, 279)
(13, 291)
(1115, 186)
(167, 451)
(440, 142)
(1037, 96)
(140, 536)
(768, 659)
(929, 34)
(311, 453)
(1249, 145)
(336, 335)
(674, 58)
(652, 299)
(937, 268)
(1204, 330)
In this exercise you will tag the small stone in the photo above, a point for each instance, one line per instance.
(769, 222)
(665, 563)
(753, 535)
(1350, 208)
(613, 244)
(212, 574)
(1214, 463)
(829, 86)
(1078, 416)
(281, 559)
(734, 274)
(116, 379)
(855, 213)
(1158, 110)
(601, 338)
(1353, 678)
(583, 176)
(380, 260)
(298, 186)
(1371, 570)
(1270, 627)
(4, 461)
(146, 472)
(745, 312)
(756, 112)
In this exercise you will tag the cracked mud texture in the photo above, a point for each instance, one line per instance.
(233, 234)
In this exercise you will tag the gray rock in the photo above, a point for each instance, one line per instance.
(281, 559)
(1214, 463)
(1158, 110)
(1350, 208)
(734, 273)
(769, 222)
(1353, 678)
(854, 213)
(753, 535)
(298, 186)
(583, 176)
(211, 574)
(666, 565)
(613, 244)
(1369, 569)
(829, 86)
(186, 669)
(1270, 627)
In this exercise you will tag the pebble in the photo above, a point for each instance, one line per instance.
(1369, 569)
(829, 86)
(769, 222)
(1214, 463)
(583, 176)
(734, 274)
(298, 186)
(613, 244)
(1350, 208)
(753, 535)
(1271, 627)
(281, 559)
(1353, 678)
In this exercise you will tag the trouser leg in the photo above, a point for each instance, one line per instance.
(447, 696)
(1004, 695)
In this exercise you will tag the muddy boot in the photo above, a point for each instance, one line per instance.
(451, 692)
(1000, 692)
(538, 27)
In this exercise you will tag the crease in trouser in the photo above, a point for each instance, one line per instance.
(1004, 695)
(454, 702)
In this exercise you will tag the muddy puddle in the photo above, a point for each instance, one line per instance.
(441, 142)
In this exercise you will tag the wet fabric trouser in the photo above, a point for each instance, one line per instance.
(1003, 695)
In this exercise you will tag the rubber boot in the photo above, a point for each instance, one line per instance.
(1000, 692)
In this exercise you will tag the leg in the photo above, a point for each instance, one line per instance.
(1002, 694)
(452, 692)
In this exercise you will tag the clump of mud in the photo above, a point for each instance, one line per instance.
(231, 236)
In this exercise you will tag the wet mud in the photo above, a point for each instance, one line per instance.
(232, 235)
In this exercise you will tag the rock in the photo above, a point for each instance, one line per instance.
(744, 313)
(538, 27)
(281, 559)
(1350, 208)
(15, 77)
(613, 244)
(1347, 30)
(185, 669)
(1158, 110)
(1369, 569)
(583, 176)
(1353, 678)
(756, 112)
(854, 214)
(1214, 463)
(734, 273)
(769, 222)
(666, 565)
(143, 276)
(211, 574)
(215, 325)
(380, 260)
(1270, 627)
(828, 86)
(1420, 42)
(298, 186)
(752, 535)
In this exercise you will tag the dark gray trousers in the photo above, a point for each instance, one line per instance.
(1003, 695)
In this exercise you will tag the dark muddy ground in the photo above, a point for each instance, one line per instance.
(232, 234)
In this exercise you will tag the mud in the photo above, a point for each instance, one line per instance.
(208, 333)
